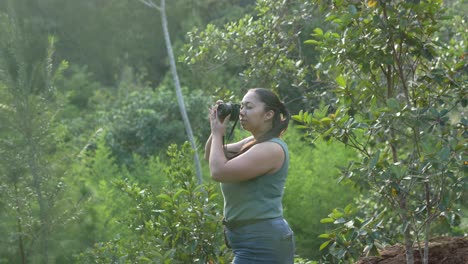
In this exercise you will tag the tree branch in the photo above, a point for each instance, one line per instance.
(150, 4)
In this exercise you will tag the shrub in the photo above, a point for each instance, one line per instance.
(181, 224)
(312, 189)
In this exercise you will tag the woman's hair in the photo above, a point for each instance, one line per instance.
(280, 119)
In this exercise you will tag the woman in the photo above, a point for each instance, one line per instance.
(252, 173)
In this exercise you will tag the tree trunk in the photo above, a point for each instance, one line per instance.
(180, 98)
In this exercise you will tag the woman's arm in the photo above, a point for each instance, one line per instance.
(208, 147)
(261, 159)
(232, 148)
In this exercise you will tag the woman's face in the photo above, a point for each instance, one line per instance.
(252, 114)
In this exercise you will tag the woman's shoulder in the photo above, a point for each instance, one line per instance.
(279, 141)
(272, 146)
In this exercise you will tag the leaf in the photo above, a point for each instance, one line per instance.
(328, 132)
(179, 193)
(321, 112)
(324, 236)
(327, 220)
(312, 42)
(324, 244)
(330, 17)
(318, 32)
(213, 196)
(372, 3)
(297, 118)
(348, 209)
(165, 197)
(341, 81)
(336, 214)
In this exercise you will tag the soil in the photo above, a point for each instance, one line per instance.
(442, 250)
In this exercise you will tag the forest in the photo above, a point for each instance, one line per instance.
(104, 117)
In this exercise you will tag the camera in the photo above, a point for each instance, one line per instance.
(225, 109)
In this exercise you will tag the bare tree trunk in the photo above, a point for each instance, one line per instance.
(180, 98)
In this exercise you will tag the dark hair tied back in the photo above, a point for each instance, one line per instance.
(280, 119)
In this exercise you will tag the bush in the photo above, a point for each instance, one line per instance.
(145, 122)
(312, 189)
(181, 224)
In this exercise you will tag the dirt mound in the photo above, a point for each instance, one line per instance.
(442, 250)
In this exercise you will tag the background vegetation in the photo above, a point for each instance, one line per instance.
(95, 167)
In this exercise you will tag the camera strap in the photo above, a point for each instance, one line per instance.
(230, 135)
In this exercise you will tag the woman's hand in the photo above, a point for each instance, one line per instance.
(218, 127)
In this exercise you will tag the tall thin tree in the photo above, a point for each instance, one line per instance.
(27, 84)
(180, 98)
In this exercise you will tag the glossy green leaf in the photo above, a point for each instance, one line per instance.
(324, 245)
(327, 220)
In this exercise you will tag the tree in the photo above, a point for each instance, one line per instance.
(145, 121)
(179, 223)
(262, 49)
(180, 98)
(31, 182)
(387, 87)
(399, 92)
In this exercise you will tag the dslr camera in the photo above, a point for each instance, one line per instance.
(225, 109)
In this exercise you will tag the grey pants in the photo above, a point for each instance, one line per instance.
(269, 241)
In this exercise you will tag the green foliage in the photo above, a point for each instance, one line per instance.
(33, 161)
(97, 208)
(62, 112)
(84, 102)
(109, 36)
(355, 235)
(299, 260)
(398, 101)
(144, 122)
(97, 203)
(312, 188)
(181, 224)
(263, 48)
(366, 226)
(78, 87)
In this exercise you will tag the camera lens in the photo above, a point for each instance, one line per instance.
(224, 110)
(228, 108)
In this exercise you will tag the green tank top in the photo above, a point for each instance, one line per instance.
(258, 198)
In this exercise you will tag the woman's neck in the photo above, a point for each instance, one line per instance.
(259, 134)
